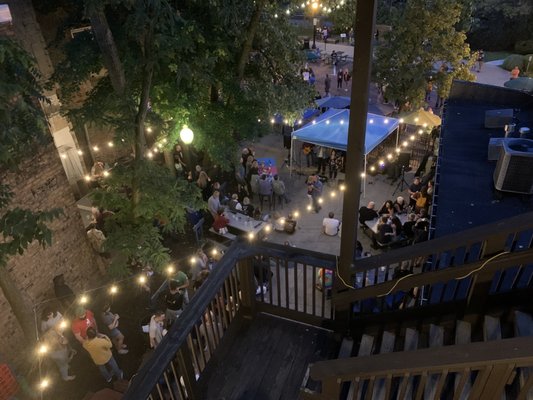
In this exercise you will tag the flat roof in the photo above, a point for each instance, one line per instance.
(465, 193)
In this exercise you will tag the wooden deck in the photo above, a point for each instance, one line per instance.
(266, 359)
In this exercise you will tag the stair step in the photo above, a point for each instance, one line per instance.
(436, 336)
(524, 327)
(463, 332)
(436, 339)
(387, 346)
(463, 335)
(492, 329)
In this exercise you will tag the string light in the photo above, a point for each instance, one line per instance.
(87, 178)
(320, 201)
(110, 144)
(371, 121)
(372, 168)
(381, 163)
(142, 279)
(416, 119)
(333, 194)
(44, 384)
(401, 120)
(251, 236)
(309, 208)
(398, 150)
(420, 131)
(150, 154)
(412, 137)
(314, 122)
(389, 156)
(106, 173)
(113, 289)
(165, 139)
(63, 324)
(405, 143)
(95, 148)
(149, 129)
(342, 187)
(275, 15)
(386, 121)
(42, 349)
(342, 122)
(193, 259)
(171, 269)
(214, 251)
(63, 156)
(83, 299)
(272, 121)
(267, 228)
(285, 121)
(80, 153)
(296, 214)
(327, 122)
(363, 175)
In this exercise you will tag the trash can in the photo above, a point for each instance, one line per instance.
(306, 44)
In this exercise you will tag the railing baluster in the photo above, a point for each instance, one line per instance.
(296, 285)
(169, 386)
(278, 280)
(194, 353)
(177, 381)
(222, 308)
(324, 290)
(270, 295)
(314, 289)
(286, 283)
(458, 391)
(200, 349)
(404, 380)
(159, 391)
(370, 388)
(305, 288)
(480, 381)
(440, 383)
(227, 299)
(524, 390)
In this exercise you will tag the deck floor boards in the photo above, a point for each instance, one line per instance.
(267, 360)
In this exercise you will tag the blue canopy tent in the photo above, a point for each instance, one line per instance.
(331, 130)
(333, 102)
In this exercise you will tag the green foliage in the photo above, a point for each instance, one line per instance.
(22, 122)
(425, 36)
(524, 46)
(513, 60)
(162, 203)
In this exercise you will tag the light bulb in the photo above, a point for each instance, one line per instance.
(80, 152)
(110, 144)
(44, 384)
(83, 299)
(113, 289)
(251, 236)
(142, 279)
(342, 187)
(296, 214)
(171, 269)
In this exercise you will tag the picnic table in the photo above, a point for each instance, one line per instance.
(244, 223)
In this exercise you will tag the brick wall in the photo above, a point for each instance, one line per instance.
(41, 184)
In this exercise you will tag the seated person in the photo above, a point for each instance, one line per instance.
(367, 213)
(385, 208)
(290, 225)
(421, 228)
(407, 227)
(221, 222)
(234, 204)
(247, 208)
(385, 232)
(400, 205)
(396, 225)
(414, 191)
(330, 225)
(422, 200)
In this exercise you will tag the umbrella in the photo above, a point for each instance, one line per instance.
(523, 83)
(421, 117)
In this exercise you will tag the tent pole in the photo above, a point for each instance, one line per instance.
(290, 154)
(364, 34)
(364, 180)
(397, 136)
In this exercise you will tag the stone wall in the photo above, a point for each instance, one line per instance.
(41, 184)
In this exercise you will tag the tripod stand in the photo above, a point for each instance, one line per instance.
(399, 186)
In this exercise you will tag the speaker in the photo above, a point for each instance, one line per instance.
(498, 118)
(403, 159)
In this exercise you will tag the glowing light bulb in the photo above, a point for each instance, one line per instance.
(214, 252)
(372, 168)
(272, 120)
(405, 144)
(171, 269)
(142, 279)
(149, 129)
(43, 349)
(333, 194)
(113, 289)
(193, 260)
(416, 119)
(320, 201)
(285, 121)
(63, 156)
(401, 120)
(412, 137)
(106, 173)
(389, 156)
(110, 144)
(386, 121)
(300, 122)
(342, 188)
(251, 236)
(44, 384)
(164, 140)
(150, 154)
(363, 175)
(314, 122)
(63, 324)
(398, 150)
(327, 122)
(267, 228)
(342, 122)
(258, 119)
(80, 152)
(95, 148)
(309, 208)
(371, 121)
(155, 150)
(296, 214)
(381, 163)
(83, 299)
(275, 15)
(288, 12)
(87, 177)
(425, 125)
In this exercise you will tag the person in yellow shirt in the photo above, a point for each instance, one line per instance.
(99, 348)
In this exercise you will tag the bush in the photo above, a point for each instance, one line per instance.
(514, 60)
(524, 46)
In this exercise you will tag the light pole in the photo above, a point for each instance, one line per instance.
(314, 7)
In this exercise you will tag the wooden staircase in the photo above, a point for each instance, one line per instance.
(405, 341)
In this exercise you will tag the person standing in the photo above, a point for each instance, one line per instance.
(156, 329)
(278, 187)
(174, 300)
(335, 162)
(346, 76)
(327, 85)
(340, 76)
(84, 321)
(317, 192)
(480, 59)
(321, 155)
(110, 320)
(99, 348)
(60, 351)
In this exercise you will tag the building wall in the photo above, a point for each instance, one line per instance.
(41, 184)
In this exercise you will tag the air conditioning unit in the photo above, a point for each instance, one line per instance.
(514, 170)
(495, 146)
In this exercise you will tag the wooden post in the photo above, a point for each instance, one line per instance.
(246, 276)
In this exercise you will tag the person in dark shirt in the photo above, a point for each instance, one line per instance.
(385, 231)
(414, 191)
(173, 299)
(407, 227)
(367, 213)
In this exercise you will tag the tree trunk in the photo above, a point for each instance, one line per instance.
(249, 38)
(169, 161)
(19, 305)
(107, 46)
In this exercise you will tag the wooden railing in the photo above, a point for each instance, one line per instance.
(488, 367)
(224, 299)
(444, 268)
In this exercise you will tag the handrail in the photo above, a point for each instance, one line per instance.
(455, 358)
(343, 299)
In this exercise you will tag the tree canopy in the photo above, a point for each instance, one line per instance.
(221, 67)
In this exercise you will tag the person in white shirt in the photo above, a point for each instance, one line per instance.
(155, 330)
(330, 225)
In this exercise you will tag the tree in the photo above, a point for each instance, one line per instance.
(22, 126)
(425, 38)
(218, 67)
